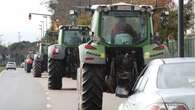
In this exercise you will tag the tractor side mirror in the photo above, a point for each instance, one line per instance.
(91, 33)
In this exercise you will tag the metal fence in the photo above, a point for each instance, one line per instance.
(189, 47)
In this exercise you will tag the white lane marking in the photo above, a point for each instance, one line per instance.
(46, 93)
(48, 98)
(48, 105)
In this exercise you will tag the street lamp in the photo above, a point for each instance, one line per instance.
(40, 14)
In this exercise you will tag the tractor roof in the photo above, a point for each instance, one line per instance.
(122, 6)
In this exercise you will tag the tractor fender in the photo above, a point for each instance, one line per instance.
(56, 51)
(38, 57)
(94, 53)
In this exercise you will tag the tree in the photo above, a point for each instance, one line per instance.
(172, 27)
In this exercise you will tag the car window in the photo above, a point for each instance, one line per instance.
(176, 75)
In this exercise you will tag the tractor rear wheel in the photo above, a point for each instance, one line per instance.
(37, 69)
(92, 83)
(55, 74)
(28, 68)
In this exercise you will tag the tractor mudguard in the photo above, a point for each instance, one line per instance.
(92, 53)
(56, 51)
(38, 57)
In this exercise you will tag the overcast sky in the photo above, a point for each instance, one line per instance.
(14, 20)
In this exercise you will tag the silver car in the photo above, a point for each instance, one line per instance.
(165, 84)
(11, 65)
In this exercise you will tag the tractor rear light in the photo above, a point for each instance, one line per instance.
(29, 61)
(162, 46)
(55, 51)
(89, 58)
(89, 46)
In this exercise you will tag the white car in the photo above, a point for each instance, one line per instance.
(165, 84)
(11, 65)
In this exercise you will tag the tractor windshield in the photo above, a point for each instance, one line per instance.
(74, 37)
(124, 28)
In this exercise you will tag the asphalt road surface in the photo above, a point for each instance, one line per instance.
(20, 91)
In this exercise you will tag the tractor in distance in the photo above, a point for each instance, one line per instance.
(40, 60)
(63, 57)
(29, 62)
(122, 43)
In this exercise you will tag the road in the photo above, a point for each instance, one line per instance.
(20, 91)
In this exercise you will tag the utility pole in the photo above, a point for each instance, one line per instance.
(180, 30)
(42, 26)
(156, 3)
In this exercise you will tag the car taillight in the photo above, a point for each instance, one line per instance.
(177, 106)
(89, 46)
(169, 106)
(157, 107)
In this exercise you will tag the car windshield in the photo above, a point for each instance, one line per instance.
(178, 75)
(74, 37)
(124, 28)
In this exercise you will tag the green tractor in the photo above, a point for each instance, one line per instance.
(40, 60)
(63, 58)
(122, 43)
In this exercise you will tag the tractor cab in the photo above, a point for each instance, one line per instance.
(73, 35)
(123, 24)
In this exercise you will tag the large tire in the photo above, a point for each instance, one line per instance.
(92, 84)
(55, 74)
(37, 69)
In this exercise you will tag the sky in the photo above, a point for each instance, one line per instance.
(14, 20)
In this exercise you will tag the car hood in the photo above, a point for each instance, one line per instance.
(184, 95)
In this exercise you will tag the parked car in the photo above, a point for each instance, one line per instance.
(11, 65)
(165, 84)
